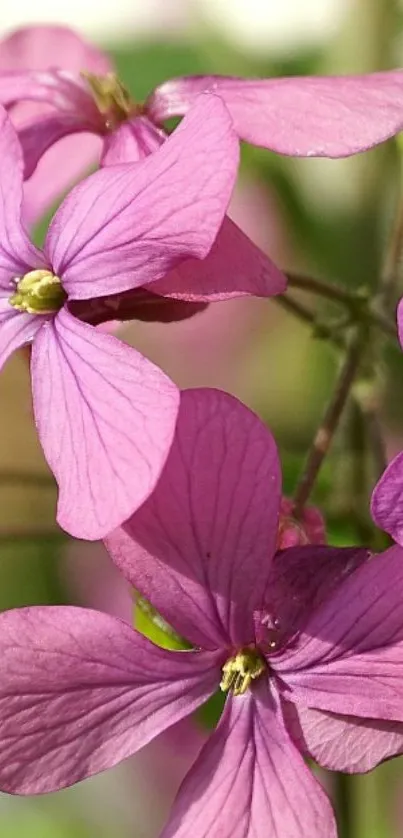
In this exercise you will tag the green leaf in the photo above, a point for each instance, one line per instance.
(149, 622)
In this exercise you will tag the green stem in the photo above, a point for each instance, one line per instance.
(343, 796)
(356, 303)
(18, 536)
(324, 289)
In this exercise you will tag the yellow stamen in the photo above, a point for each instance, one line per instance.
(240, 670)
(111, 97)
(38, 292)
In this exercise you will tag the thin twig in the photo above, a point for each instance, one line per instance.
(324, 435)
(354, 301)
(15, 536)
(27, 478)
(322, 288)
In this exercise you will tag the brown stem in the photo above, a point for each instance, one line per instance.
(27, 478)
(322, 288)
(325, 433)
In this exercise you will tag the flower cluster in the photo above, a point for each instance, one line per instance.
(304, 640)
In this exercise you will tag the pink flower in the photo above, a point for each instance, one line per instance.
(303, 116)
(106, 415)
(40, 48)
(307, 643)
(387, 497)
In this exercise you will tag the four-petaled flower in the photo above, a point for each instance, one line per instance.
(105, 414)
(307, 643)
(303, 116)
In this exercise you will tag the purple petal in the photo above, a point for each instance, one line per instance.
(307, 116)
(250, 780)
(16, 329)
(346, 743)
(41, 48)
(349, 659)
(70, 109)
(106, 417)
(139, 304)
(400, 322)
(81, 690)
(198, 546)
(234, 267)
(17, 86)
(128, 225)
(17, 254)
(63, 91)
(300, 579)
(43, 132)
(133, 140)
(387, 500)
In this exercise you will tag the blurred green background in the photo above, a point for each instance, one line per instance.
(330, 218)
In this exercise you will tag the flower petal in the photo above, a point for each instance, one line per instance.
(61, 91)
(200, 548)
(387, 500)
(139, 304)
(300, 579)
(346, 743)
(133, 140)
(128, 225)
(17, 254)
(349, 659)
(307, 116)
(250, 780)
(40, 48)
(43, 132)
(106, 417)
(81, 690)
(16, 329)
(400, 321)
(234, 267)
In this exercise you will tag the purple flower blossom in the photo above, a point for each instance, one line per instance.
(105, 414)
(41, 48)
(387, 497)
(307, 643)
(303, 116)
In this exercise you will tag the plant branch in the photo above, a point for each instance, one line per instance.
(322, 288)
(357, 303)
(325, 433)
(26, 478)
(18, 536)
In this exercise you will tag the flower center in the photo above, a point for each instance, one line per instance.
(240, 670)
(112, 98)
(38, 292)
